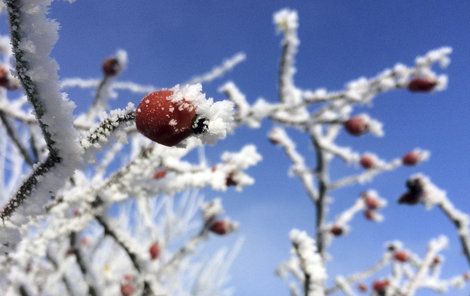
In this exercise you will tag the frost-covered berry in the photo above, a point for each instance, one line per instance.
(362, 287)
(380, 286)
(357, 125)
(336, 230)
(222, 227)
(154, 250)
(422, 84)
(111, 67)
(6, 80)
(368, 161)
(414, 157)
(127, 289)
(163, 120)
(371, 202)
(160, 174)
(401, 256)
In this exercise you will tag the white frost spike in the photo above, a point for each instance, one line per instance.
(212, 209)
(218, 115)
(121, 57)
(286, 19)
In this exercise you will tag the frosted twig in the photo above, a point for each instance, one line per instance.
(38, 74)
(365, 176)
(435, 246)
(109, 231)
(280, 137)
(361, 276)
(220, 70)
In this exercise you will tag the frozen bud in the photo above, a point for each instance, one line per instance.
(160, 174)
(127, 289)
(223, 227)
(415, 192)
(357, 125)
(422, 84)
(111, 67)
(163, 120)
(362, 287)
(230, 180)
(336, 230)
(436, 261)
(414, 157)
(409, 198)
(368, 161)
(371, 201)
(401, 256)
(155, 250)
(380, 286)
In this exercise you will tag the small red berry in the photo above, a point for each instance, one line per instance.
(221, 227)
(362, 287)
(411, 158)
(356, 126)
(367, 161)
(6, 80)
(380, 285)
(401, 256)
(160, 174)
(163, 120)
(336, 230)
(111, 67)
(422, 84)
(127, 289)
(371, 202)
(154, 250)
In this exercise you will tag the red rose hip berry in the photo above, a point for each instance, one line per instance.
(356, 126)
(422, 84)
(401, 256)
(111, 67)
(412, 158)
(154, 250)
(336, 230)
(367, 161)
(165, 121)
(127, 289)
(222, 227)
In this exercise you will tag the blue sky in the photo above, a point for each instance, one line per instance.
(170, 41)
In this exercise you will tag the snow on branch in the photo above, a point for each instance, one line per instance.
(422, 190)
(33, 37)
(310, 262)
